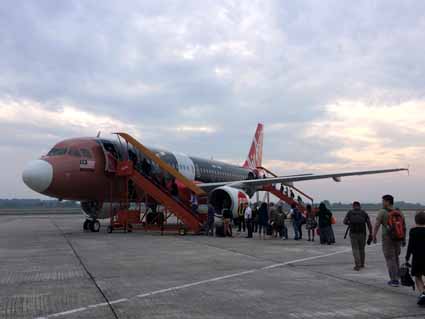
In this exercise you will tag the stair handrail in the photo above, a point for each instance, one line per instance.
(291, 186)
(162, 164)
(179, 203)
(302, 193)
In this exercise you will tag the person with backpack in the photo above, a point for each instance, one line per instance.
(393, 237)
(325, 225)
(296, 221)
(283, 231)
(416, 248)
(357, 220)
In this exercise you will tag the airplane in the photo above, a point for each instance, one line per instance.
(84, 170)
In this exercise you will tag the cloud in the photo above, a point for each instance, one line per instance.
(27, 112)
(373, 135)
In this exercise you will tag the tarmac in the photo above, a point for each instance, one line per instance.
(50, 268)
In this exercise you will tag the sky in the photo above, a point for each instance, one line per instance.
(338, 85)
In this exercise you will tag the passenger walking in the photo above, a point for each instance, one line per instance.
(227, 219)
(357, 220)
(292, 194)
(194, 203)
(393, 237)
(325, 225)
(146, 167)
(255, 218)
(273, 217)
(416, 249)
(248, 219)
(283, 230)
(241, 218)
(174, 189)
(311, 223)
(263, 220)
(296, 221)
(210, 220)
(281, 188)
(300, 200)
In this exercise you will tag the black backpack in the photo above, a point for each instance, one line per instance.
(358, 219)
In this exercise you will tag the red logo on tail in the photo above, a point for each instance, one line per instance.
(255, 156)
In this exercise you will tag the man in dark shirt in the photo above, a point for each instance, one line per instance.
(416, 248)
(357, 220)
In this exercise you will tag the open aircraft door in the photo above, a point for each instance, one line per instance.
(111, 156)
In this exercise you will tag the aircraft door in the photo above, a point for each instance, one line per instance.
(185, 165)
(111, 156)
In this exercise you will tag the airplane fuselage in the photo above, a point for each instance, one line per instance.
(83, 169)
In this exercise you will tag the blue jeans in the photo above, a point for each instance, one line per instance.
(297, 233)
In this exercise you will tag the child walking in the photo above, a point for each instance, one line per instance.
(416, 249)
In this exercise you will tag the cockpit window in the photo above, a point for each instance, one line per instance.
(74, 152)
(57, 151)
(85, 153)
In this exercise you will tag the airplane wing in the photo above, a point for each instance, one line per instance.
(253, 184)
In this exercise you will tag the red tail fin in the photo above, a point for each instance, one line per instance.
(255, 156)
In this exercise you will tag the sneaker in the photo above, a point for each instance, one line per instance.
(394, 283)
(356, 268)
(421, 299)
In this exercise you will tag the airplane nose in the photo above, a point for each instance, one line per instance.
(38, 175)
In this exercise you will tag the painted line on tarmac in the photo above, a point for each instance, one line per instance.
(296, 261)
(194, 284)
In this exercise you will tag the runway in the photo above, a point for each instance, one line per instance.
(50, 268)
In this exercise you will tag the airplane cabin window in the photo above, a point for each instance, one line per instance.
(57, 151)
(74, 152)
(85, 152)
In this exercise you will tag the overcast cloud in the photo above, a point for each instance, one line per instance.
(338, 85)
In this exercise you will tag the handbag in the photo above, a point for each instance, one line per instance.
(406, 279)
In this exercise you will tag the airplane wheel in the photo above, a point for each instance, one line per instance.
(129, 228)
(109, 229)
(95, 226)
(86, 224)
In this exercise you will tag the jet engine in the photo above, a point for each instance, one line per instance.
(228, 197)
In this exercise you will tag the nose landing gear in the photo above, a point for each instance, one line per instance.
(92, 225)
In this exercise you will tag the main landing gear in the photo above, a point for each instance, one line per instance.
(92, 225)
